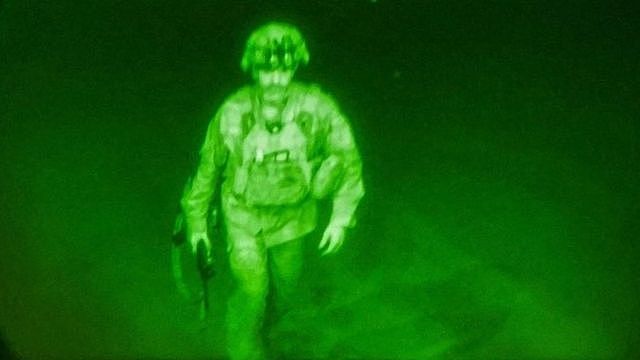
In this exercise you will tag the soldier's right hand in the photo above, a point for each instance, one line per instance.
(195, 238)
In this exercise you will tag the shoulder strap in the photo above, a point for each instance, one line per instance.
(247, 122)
(313, 127)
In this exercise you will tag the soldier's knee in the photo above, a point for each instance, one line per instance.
(256, 288)
(250, 271)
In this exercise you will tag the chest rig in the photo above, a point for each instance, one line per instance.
(277, 159)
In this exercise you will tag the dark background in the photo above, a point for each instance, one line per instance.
(500, 145)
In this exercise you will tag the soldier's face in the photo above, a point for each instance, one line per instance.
(274, 83)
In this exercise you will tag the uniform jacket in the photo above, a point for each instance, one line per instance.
(314, 133)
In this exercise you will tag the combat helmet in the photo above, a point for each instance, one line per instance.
(274, 45)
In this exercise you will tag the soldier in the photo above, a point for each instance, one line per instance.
(277, 147)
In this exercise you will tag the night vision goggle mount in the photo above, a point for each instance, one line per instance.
(276, 55)
(273, 46)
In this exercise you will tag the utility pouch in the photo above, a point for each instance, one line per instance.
(272, 183)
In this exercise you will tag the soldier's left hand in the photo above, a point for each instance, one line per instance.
(332, 239)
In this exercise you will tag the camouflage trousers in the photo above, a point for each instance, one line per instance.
(256, 268)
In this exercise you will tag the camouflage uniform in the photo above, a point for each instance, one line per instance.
(271, 181)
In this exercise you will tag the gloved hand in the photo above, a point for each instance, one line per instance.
(197, 237)
(332, 239)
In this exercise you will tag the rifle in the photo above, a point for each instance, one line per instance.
(204, 264)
